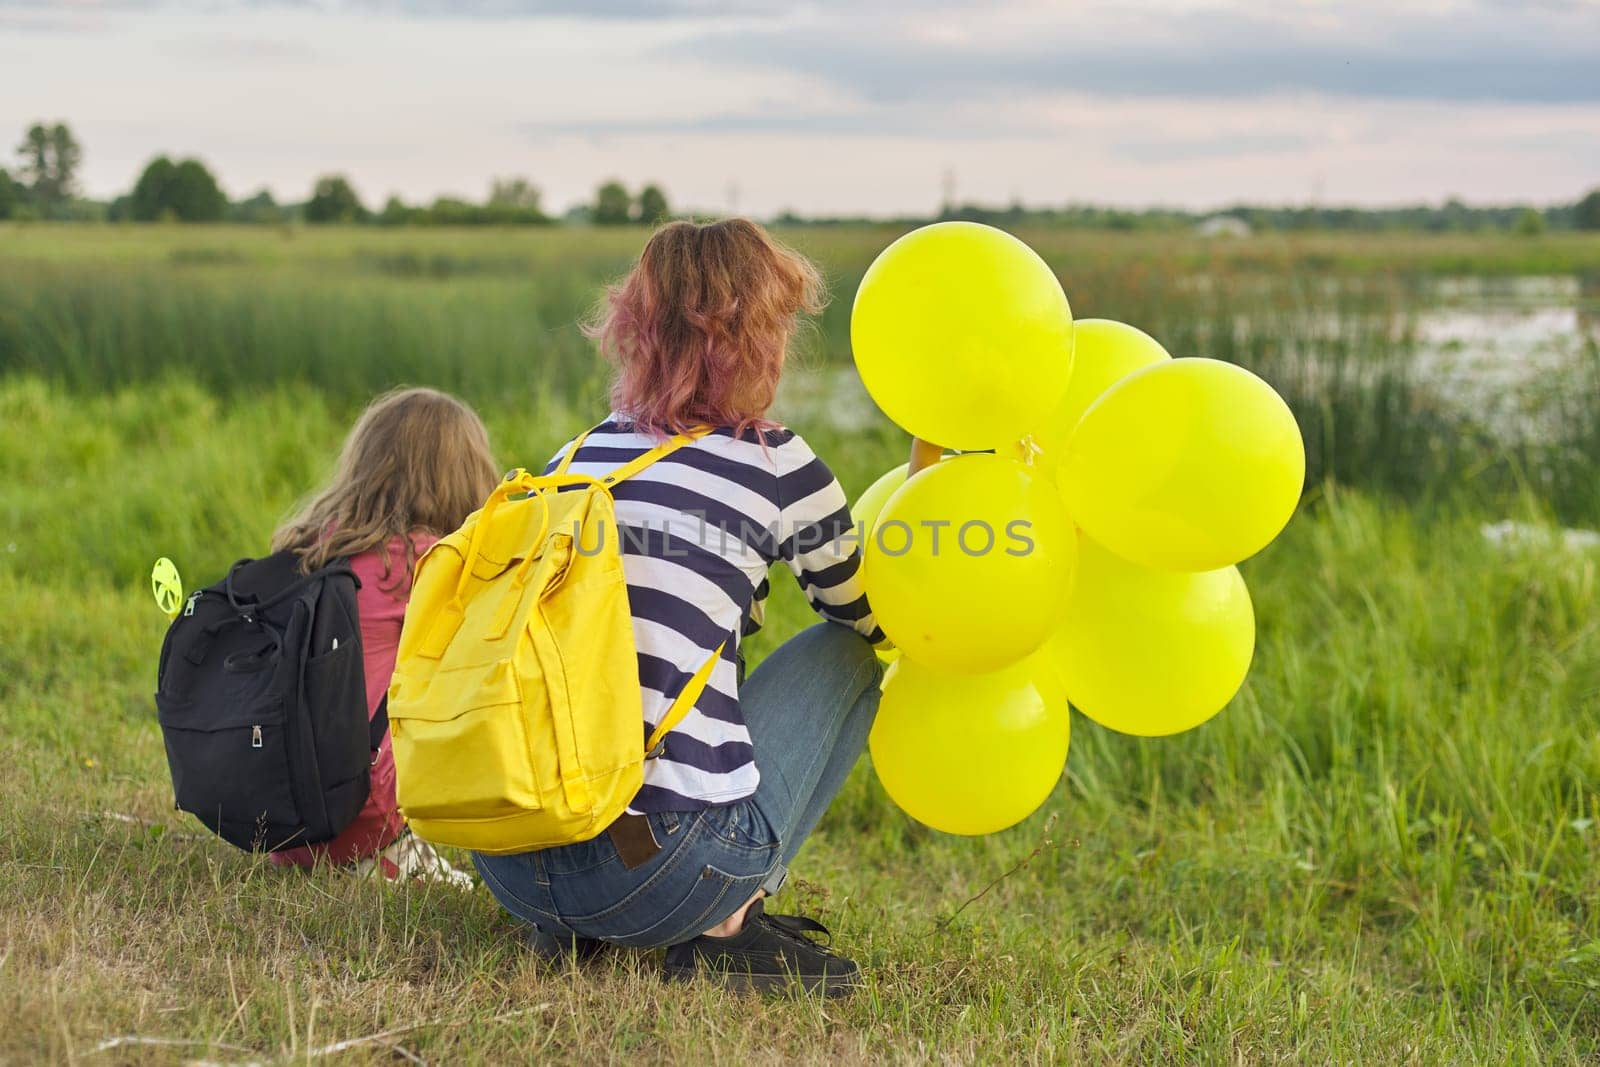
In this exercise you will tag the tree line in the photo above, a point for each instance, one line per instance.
(1453, 216)
(185, 190)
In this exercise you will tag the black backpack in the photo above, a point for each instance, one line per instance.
(263, 706)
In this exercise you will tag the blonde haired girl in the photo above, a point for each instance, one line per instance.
(414, 466)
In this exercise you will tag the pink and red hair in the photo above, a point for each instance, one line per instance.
(699, 329)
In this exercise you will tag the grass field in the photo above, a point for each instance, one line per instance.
(1384, 851)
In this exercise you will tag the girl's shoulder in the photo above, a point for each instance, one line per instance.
(770, 439)
(395, 549)
(774, 449)
(388, 568)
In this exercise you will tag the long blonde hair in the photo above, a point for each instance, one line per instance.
(416, 460)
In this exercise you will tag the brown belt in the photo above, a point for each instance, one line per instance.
(635, 842)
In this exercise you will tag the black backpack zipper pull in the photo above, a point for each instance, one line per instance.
(255, 737)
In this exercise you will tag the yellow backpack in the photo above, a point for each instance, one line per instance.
(515, 707)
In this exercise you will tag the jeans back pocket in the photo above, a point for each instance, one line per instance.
(743, 826)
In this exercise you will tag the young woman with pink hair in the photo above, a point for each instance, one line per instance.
(698, 332)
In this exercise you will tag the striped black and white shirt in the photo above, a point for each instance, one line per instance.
(698, 530)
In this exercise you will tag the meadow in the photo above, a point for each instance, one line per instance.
(1385, 850)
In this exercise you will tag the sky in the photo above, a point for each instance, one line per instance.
(830, 106)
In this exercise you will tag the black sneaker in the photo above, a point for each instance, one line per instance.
(771, 952)
(553, 949)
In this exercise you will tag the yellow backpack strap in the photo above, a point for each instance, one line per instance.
(680, 707)
(450, 617)
(697, 684)
(566, 460)
(666, 448)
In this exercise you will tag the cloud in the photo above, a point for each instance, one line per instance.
(1530, 51)
(215, 49)
(1485, 51)
(1181, 150)
(864, 123)
(829, 105)
(643, 10)
(1154, 144)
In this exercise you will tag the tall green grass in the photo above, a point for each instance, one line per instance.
(495, 318)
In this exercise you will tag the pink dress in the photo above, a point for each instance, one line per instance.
(381, 603)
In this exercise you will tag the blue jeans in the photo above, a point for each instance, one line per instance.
(808, 706)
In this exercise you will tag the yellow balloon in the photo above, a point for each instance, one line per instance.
(962, 335)
(1185, 466)
(1103, 353)
(864, 512)
(969, 753)
(970, 562)
(1152, 652)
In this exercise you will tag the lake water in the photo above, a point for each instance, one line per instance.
(1507, 329)
(1503, 349)
(1497, 349)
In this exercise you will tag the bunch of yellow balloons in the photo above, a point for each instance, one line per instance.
(1081, 547)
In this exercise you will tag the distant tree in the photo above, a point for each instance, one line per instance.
(1530, 222)
(395, 213)
(184, 192)
(35, 153)
(67, 156)
(515, 193)
(196, 196)
(653, 205)
(50, 159)
(1454, 216)
(78, 209)
(454, 211)
(10, 195)
(1586, 215)
(261, 208)
(151, 198)
(612, 204)
(512, 202)
(333, 200)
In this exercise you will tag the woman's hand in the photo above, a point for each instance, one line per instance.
(923, 454)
